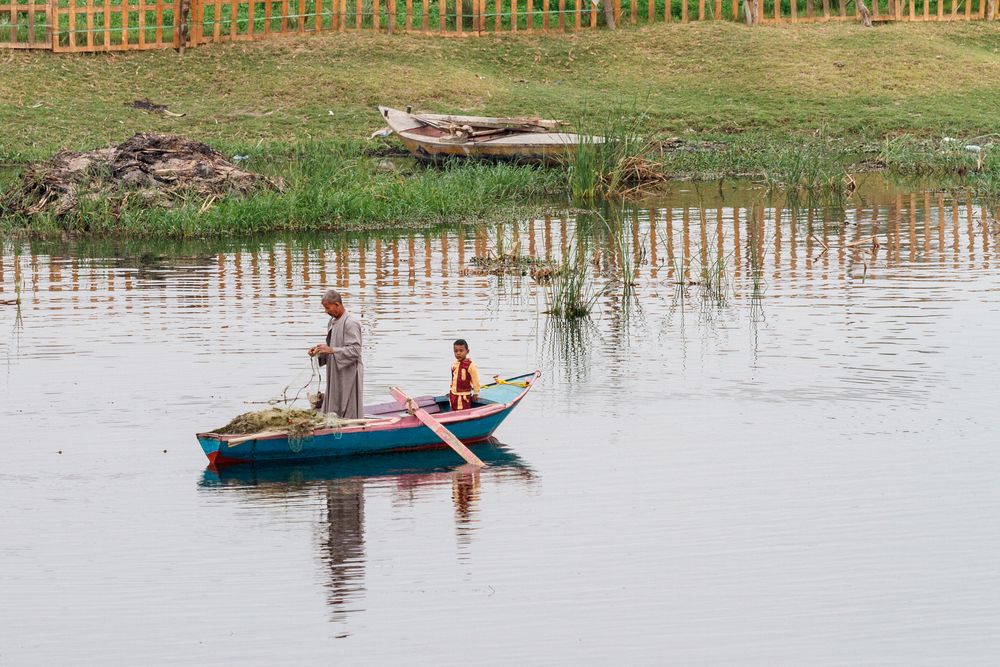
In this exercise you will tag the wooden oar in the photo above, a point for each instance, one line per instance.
(516, 124)
(439, 430)
(232, 442)
(341, 423)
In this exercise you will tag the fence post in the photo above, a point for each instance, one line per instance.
(52, 25)
(178, 8)
(183, 24)
(196, 18)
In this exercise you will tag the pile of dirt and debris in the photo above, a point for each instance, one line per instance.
(148, 169)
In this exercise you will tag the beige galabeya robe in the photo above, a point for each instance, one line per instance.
(345, 372)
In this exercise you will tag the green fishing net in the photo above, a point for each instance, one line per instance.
(298, 424)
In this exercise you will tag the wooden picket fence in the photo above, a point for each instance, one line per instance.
(25, 24)
(120, 25)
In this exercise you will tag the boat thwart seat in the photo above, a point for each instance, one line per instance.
(393, 408)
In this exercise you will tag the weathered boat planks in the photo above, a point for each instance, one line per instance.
(442, 136)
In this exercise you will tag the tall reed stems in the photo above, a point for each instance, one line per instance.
(610, 159)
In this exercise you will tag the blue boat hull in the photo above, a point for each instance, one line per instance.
(470, 426)
(297, 473)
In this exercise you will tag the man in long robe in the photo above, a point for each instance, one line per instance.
(341, 356)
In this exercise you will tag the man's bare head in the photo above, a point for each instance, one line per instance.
(333, 303)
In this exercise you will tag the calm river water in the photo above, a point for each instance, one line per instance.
(780, 448)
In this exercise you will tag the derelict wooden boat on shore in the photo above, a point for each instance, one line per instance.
(392, 429)
(439, 136)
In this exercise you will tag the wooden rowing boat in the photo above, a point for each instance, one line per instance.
(439, 136)
(389, 428)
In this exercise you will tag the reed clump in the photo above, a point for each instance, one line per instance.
(714, 281)
(612, 160)
(602, 262)
(986, 182)
(570, 290)
(813, 165)
(946, 156)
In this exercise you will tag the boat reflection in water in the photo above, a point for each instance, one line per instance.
(342, 483)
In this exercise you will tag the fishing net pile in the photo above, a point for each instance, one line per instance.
(148, 169)
(280, 417)
(295, 422)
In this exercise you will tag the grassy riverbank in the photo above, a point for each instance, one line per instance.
(782, 104)
(329, 186)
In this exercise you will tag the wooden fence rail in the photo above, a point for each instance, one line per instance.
(120, 25)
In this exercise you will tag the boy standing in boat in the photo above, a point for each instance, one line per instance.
(464, 378)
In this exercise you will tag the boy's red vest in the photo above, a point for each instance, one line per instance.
(461, 378)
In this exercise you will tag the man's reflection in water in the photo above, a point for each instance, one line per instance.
(343, 547)
(343, 550)
(342, 532)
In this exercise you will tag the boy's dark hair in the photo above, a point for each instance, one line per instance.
(461, 341)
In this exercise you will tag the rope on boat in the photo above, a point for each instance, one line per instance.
(283, 399)
(498, 380)
(281, 418)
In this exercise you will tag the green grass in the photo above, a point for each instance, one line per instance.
(328, 187)
(781, 104)
(717, 81)
(817, 163)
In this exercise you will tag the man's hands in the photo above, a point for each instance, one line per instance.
(320, 349)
